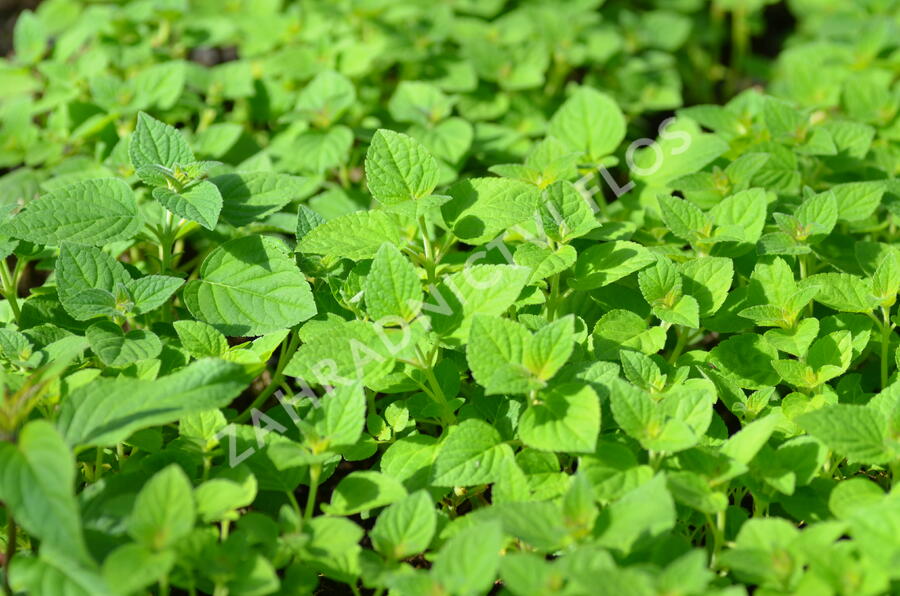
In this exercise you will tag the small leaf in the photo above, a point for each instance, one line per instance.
(163, 512)
(156, 143)
(590, 122)
(399, 168)
(117, 349)
(566, 418)
(201, 202)
(856, 432)
(472, 453)
(406, 527)
(392, 287)
(200, 339)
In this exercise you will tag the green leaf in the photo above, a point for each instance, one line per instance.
(156, 143)
(486, 289)
(418, 101)
(843, 292)
(116, 348)
(163, 512)
(683, 218)
(315, 151)
(392, 287)
(495, 352)
(602, 264)
(468, 562)
(399, 168)
(565, 214)
(746, 360)
(339, 422)
(87, 281)
(621, 328)
(250, 286)
(108, 410)
(406, 527)
(483, 208)
(333, 547)
(56, 573)
(564, 418)
(93, 212)
(29, 38)
(252, 196)
(152, 291)
(886, 280)
(326, 98)
(200, 339)
(708, 280)
(221, 497)
(351, 351)
(363, 491)
(855, 432)
(818, 214)
(549, 349)
(644, 512)
(544, 261)
(857, 200)
(830, 355)
(741, 217)
(355, 236)
(660, 284)
(201, 202)
(590, 122)
(38, 476)
(472, 453)
(133, 567)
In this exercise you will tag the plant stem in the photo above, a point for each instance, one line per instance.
(164, 586)
(718, 534)
(11, 531)
(428, 249)
(98, 465)
(448, 418)
(554, 297)
(680, 343)
(886, 329)
(288, 347)
(739, 42)
(294, 504)
(315, 471)
(10, 290)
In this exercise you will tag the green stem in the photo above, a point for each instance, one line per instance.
(554, 297)
(11, 531)
(98, 465)
(11, 290)
(225, 527)
(448, 418)
(164, 586)
(680, 343)
(739, 41)
(718, 534)
(288, 347)
(886, 329)
(428, 249)
(294, 504)
(315, 471)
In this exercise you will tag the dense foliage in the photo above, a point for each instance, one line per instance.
(407, 297)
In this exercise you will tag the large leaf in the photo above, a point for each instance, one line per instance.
(250, 286)
(94, 212)
(107, 410)
(37, 476)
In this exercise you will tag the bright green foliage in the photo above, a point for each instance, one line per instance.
(405, 298)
